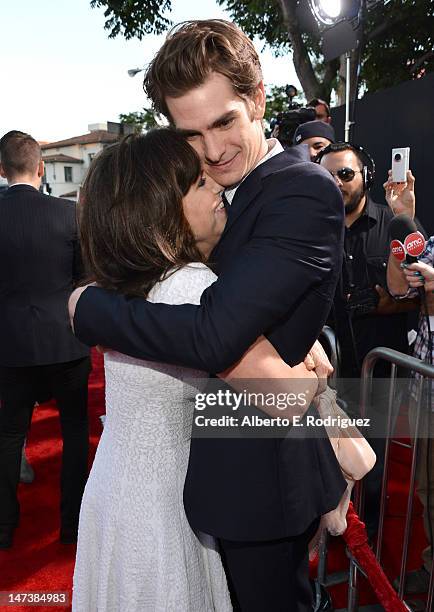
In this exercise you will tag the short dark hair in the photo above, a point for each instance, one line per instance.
(20, 154)
(195, 49)
(317, 102)
(338, 147)
(132, 226)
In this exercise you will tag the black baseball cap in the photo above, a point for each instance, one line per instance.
(314, 128)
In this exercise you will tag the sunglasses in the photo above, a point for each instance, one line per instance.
(345, 175)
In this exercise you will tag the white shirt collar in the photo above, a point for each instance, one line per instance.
(274, 148)
(15, 184)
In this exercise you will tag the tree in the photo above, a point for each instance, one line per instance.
(134, 19)
(396, 33)
(142, 120)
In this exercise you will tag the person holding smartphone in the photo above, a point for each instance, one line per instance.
(405, 280)
(364, 314)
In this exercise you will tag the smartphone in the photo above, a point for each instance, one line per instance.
(400, 164)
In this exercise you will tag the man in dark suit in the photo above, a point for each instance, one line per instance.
(39, 264)
(278, 262)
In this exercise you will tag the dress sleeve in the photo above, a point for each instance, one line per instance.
(184, 286)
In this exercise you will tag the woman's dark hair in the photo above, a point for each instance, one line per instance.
(132, 226)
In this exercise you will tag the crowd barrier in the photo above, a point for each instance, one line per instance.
(426, 371)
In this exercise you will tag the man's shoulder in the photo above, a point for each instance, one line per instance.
(27, 191)
(33, 199)
(59, 203)
(292, 173)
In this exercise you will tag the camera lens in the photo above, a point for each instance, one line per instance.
(397, 156)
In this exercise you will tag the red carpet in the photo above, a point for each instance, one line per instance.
(38, 562)
(396, 509)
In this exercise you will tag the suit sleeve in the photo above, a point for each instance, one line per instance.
(77, 260)
(291, 251)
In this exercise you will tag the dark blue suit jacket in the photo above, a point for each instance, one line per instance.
(40, 263)
(278, 263)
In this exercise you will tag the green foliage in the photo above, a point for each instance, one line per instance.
(141, 121)
(398, 35)
(400, 43)
(277, 102)
(134, 18)
(261, 18)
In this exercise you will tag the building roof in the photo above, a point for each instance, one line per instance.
(59, 157)
(93, 137)
(70, 194)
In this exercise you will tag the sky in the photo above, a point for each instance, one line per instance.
(60, 71)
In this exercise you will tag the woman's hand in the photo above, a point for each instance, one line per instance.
(400, 196)
(317, 360)
(420, 275)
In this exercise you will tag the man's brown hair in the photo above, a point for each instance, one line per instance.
(195, 49)
(132, 226)
(19, 154)
(318, 102)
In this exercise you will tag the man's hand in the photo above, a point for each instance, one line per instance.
(317, 360)
(72, 303)
(386, 305)
(400, 196)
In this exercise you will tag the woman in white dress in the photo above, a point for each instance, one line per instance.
(149, 219)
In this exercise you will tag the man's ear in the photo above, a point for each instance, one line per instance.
(41, 169)
(259, 100)
(2, 172)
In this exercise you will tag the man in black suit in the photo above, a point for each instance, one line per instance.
(278, 262)
(39, 264)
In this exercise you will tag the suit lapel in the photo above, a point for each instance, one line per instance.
(253, 183)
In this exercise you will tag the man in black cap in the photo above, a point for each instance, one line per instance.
(317, 134)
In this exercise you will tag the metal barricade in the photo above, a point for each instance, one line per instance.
(328, 338)
(426, 371)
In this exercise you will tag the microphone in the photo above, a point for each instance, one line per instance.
(407, 242)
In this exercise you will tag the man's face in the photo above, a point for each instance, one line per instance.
(316, 144)
(321, 113)
(352, 191)
(224, 129)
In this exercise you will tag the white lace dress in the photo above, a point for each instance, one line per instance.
(136, 551)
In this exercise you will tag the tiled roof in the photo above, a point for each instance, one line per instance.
(93, 137)
(59, 157)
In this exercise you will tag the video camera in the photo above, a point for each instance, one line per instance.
(283, 126)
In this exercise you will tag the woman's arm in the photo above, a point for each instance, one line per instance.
(261, 370)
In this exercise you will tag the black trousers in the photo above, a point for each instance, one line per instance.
(19, 390)
(270, 576)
